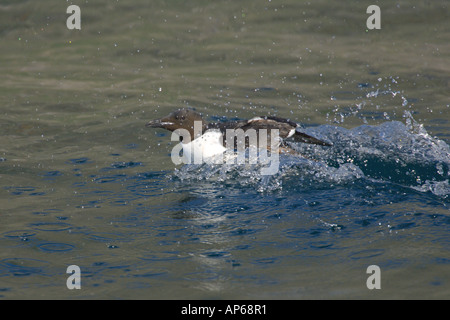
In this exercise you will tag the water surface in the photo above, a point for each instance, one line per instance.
(84, 182)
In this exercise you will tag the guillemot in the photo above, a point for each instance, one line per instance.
(210, 139)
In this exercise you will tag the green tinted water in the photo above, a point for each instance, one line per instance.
(68, 95)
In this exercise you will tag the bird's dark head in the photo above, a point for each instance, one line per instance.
(180, 119)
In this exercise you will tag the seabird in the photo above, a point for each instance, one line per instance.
(210, 138)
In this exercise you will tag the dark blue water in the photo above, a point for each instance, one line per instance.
(83, 182)
(380, 196)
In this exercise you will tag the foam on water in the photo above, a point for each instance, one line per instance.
(391, 152)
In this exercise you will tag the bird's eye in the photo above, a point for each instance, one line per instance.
(181, 138)
(183, 117)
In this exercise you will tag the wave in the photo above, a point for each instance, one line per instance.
(392, 152)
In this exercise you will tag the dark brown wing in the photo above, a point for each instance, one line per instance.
(303, 137)
(285, 127)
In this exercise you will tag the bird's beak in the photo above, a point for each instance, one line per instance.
(159, 123)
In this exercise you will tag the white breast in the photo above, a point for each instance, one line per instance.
(206, 146)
